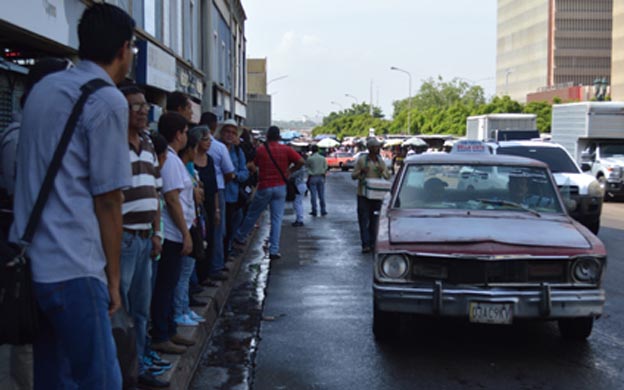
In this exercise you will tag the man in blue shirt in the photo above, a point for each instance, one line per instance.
(76, 247)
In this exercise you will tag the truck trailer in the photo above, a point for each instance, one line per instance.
(593, 133)
(486, 127)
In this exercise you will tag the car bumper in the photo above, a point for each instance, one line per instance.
(588, 208)
(546, 302)
(614, 188)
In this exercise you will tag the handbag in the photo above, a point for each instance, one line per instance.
(291, 187)
(198, 252)
(18, 308)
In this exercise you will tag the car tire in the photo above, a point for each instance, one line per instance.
(385, 324)
(342, 167)
(577, 329)
(593, 226)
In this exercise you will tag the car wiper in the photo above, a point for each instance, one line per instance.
(515, 205)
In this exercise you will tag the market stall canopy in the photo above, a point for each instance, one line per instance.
(393, 142)
(328, 143)
(414, 141)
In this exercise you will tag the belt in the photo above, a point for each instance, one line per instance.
(139, 233)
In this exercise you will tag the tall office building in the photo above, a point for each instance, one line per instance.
(617, 62)
(550, 43)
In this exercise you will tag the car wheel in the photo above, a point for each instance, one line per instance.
(342, 167)
(576, 328)
(385, 324)
(594, 225)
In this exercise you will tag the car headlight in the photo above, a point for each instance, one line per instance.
(394, 266)
(586, 270)
(595, 190)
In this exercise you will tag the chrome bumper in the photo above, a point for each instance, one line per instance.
(545, 302)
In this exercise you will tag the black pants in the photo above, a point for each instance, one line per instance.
(169, 267)
(368, 219)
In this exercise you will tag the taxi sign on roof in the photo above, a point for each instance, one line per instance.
(470, 146)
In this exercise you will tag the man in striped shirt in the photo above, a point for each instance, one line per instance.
(142, 238)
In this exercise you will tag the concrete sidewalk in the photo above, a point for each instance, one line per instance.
(184, 366)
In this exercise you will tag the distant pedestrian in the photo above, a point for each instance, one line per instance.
(142, 237)
(299, 176)
(317, 169)
(369, 166)
(273, 160)
(225, 172)
(76, 248)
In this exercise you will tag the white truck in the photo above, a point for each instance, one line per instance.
(486, 127)
(593, 133)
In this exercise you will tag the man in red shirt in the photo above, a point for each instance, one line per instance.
(271, 158)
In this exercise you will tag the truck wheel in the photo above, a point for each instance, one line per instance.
(576, 328)
(594, 225)
(385, 324)
(603, 184)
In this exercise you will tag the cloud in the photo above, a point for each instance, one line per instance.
(287, 42)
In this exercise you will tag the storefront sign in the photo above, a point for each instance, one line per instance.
(155, 67)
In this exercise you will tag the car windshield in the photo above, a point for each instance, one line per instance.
(478, 187)
(612, 150)
(558, 160)
(344, 154)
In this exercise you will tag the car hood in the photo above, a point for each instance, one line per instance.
(581, 180)
(617, 161)
(530, 231)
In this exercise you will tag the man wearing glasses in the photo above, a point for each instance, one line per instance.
(76, 247)
(142, 238)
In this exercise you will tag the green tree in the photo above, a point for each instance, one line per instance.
(543, 110)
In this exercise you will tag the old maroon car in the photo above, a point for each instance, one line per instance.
(499, 253)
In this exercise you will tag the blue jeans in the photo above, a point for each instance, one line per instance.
(368, 219)
(169, 268)
(181, 299)
(317, 187)
(75, 348)
(298, 202)
(218, 256)
(136, 285)
(276, 198)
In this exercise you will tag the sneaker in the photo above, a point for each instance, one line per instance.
(366, 249)
(323, 214)
(157, 360)
(275, 256)
(185, 320)
(196, 317)
(297, 223)
(169, 347)
(312, 213)
(149, 381)
(155, 370)
(180, 340)
(151, 364)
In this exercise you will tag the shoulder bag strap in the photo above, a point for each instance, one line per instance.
(266, 145)
(87, 89)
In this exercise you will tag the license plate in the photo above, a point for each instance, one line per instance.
(491, 313)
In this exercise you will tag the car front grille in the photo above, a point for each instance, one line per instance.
(484, 272)
(572, 190)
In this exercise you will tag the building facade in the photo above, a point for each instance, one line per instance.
(258, 101)
(545, 43)
(617, 52)
(194, 46)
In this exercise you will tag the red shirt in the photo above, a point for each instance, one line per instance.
(268, 175)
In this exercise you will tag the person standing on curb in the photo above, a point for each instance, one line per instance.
(225, 172)
(271, 189)
(142, 237)
(178, 218)
(317, 169)
(369, 166)
(76, 247)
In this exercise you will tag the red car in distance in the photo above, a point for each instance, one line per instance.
(338, 160)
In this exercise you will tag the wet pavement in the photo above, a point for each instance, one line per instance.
(313, 330)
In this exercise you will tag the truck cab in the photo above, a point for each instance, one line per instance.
(605, 160)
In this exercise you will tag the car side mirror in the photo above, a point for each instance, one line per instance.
(588, 157)
(585, 167)
(570, 204)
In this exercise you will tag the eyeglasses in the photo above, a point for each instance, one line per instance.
(133, 47)
(136, 107)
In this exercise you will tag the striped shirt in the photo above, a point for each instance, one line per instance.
(141, 199)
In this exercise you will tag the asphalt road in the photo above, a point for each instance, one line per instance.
(316, 332)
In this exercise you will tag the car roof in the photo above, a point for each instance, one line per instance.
(472, 158)
(528, 144)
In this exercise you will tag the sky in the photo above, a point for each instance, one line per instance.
(330, 48)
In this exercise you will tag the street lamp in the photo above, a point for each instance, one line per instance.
(409, 102)
(337, 104)
(277, 79)
(353, 97)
